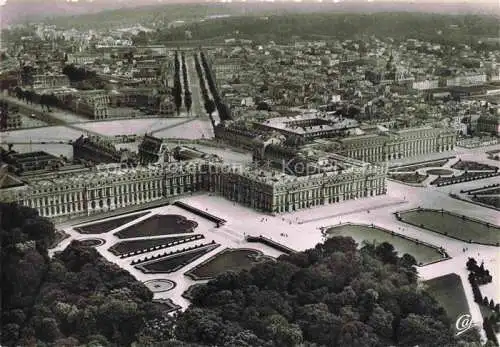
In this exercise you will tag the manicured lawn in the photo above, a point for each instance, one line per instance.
(104, 227)
(493, 201)
(360, 233)
(418, 166)
(488, 191)
(159, 225)
(176, 261)
(228, 259)
(452, 225)
(472, 165)
(465, 177)
(448, 290)
(408, 177)
(92, 242)
(125, 247)
(439, 172)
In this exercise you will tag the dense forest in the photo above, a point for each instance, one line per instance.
(331, 295)
(458, 29)
(76, 298)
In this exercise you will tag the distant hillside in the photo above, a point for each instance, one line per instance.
(124, 12)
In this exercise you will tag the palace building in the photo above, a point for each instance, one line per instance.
(397, 144)
(110, 186)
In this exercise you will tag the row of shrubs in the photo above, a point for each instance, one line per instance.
(478, 189)
(479, 275)
(166, 245)
(166, 254)
(440, 181)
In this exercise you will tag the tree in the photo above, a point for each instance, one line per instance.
(210, 107)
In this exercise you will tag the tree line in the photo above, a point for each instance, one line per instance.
(188, 101)
(76, 298)
(208, 102)
(222, 109)
(177, 89)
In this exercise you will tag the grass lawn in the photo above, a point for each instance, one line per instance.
(125, 247)
(158, 225)
(228, 259)
(488, 191)
(448, 290)
(92, 242)
(418, 166)
(439, 172)
(452, 225)
(104, 227)
(408, 177)
(472, 165)
(493, 201)
(176, 261)
(422, 253)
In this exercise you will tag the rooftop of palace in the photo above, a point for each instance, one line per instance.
(324, 122)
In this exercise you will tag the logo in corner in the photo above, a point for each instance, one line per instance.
(463, 323)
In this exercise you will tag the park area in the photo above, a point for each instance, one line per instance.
(143, 245)
(108, 225)
(449, 292)
(158, 225)
(449, 224)
(227, 260)
(366, 234)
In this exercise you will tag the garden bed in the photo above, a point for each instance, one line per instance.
(421, 165)
(472, 165)
(465, 177)
(159, 225)
(92, 242)
(493, 201)
(449, 224)
(227, 260)
(108, 225)
(437, 172)
(176, 261)
(145, 245)
(422, 253)
(414, 178)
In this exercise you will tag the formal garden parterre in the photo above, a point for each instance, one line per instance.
(93, 242)
(108, 225)
(412, 178)
(134, 247)
(452, 225)
(422, 252)
(227, 260)
(157, 225)
(466, 165)
(421, 165)
(170, 262)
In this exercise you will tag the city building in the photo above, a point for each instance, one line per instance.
(153, 150)
(397, 144)
(96, 150)
(489, 124)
